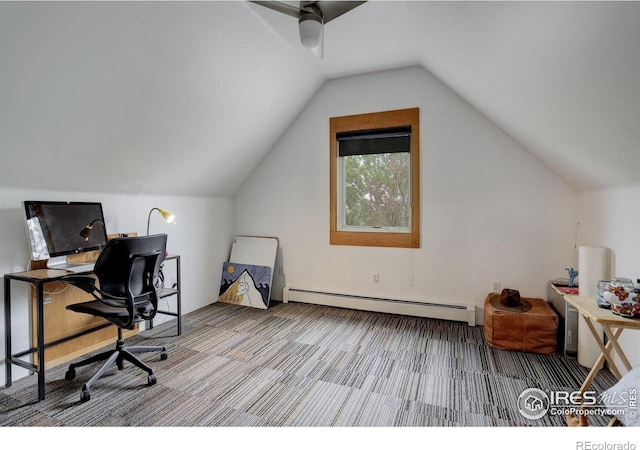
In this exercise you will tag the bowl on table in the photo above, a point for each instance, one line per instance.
(622, 297)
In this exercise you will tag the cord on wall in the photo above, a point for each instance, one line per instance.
(411, 269)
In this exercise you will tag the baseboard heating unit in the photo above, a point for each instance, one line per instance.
(456, 312)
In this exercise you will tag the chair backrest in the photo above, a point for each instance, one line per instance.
(130, 265)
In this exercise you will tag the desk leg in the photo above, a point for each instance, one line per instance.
(600, 361)
(7, 331)
(613, 338)
(605, 348)
(179, 296)
(592, 374)
(40, 343)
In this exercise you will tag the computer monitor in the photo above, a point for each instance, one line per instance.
(62, 222)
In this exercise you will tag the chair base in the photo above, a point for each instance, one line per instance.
(117, 356)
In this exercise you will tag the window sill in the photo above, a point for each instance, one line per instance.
(375, 239)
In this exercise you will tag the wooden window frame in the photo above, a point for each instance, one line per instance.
(370, 121)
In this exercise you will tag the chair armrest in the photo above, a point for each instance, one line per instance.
(87, 284)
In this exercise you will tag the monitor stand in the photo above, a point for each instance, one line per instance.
(58, 262)
(62, 263)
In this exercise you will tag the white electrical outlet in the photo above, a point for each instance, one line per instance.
(496, 287)
(376, 278)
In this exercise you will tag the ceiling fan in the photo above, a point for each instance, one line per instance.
(312, 15)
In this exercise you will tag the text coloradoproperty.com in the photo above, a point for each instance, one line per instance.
(581, 411)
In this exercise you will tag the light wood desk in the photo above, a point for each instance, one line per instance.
(613, 326)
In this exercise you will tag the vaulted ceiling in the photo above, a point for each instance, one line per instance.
(186, 98)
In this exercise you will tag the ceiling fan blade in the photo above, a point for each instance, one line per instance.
(326, 9)
(332, 9)
(289, 8)
(329, 9)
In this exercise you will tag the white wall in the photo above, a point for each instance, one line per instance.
(490, 211)
(611, 218)
(202, 236)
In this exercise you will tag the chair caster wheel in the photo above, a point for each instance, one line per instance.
(70, 374)
(151, 380)
(163, 356)
(85, 396)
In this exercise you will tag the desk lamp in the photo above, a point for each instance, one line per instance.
(168, 217)
(86, 231)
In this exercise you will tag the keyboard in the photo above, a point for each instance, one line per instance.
(80, 268)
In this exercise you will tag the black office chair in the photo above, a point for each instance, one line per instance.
(127, 270)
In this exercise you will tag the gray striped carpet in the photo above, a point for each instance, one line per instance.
(297, 365)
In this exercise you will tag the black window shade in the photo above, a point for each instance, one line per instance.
(369, 142)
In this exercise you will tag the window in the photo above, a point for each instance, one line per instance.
(375, 179)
